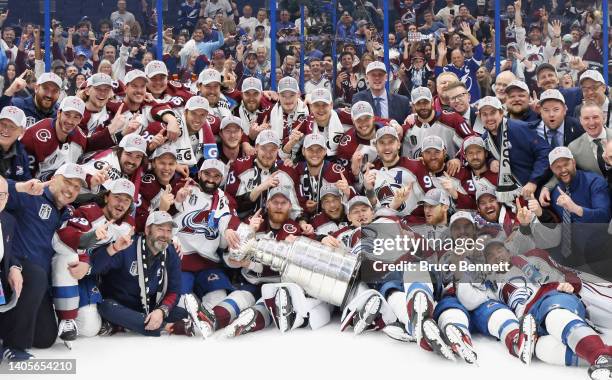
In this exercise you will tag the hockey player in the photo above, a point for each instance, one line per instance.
(53, 142)
(209, 86)
(450, 126)
(332, 216)
(98, 92)
(173, 93)
(254, 109)
(558, 312)
(91, 226)
(491, 211)
(141, 280)
(231, 141)
(286, 116)
(478, 171)
(250, 178)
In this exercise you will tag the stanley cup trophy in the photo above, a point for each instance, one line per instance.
(325, 273)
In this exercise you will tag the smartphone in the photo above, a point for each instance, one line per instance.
(452, 12)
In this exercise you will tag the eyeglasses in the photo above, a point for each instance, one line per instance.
(3, 195)
(457, 98)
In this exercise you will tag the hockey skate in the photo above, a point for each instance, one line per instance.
(68, 332)
(241, 325)
(184, 326)
(526, 338)
(436, 340)
(602, 368)
(284, 315)
(202, 318)
(461, 343)
(397, 331)
(419, 308)
(367, 314)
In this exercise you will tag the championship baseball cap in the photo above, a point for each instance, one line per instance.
(473, 140)
(461, 215)
(159, 217)
(329, 189)
(213, 163)
(432, 141)
(517, 84)
(559, 152)
(545, 66)
(482, 189)
(267, 136)
(360, 199)
(208, 76)
(386, 130)
(72, 171)
(360, 109)
(436, 197)
(288, 84)
(376, 65)
(568, 38)
(321, 95)
(251, 83)
(314, 139)
(490, 101)
(72, 103)
(164, 149)
(198, 103)
(99, 79)
(122, 186)
(420, 93)
(282, 190)
(552, 94)
(155, 67)
(133, 75)
(49, 77)
(593, 75)
(133, 143)
(14, 114)
(231, 120)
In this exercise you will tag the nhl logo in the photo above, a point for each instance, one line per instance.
(134, 269)
(45, 211)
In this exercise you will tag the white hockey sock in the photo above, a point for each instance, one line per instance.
(397, 301)
(455, 316)
(550, 350)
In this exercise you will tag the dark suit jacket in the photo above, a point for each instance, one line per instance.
(9, 260)
(571, 130)
(399, 105)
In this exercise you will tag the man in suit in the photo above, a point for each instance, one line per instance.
(385, 105)
(556, 127)
(460, 99)
(594, 89)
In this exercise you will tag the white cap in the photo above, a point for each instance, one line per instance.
(267, 136)
(461, 215)
(329, 189)
(288, 84)
(251, 83)
(231, 120)
(72, 171)
(559, 152)
(386, 130)
(14, 114)
(552, 94)
(517, 84)
(133, 143)
(122, 186)
(592, 74)
(208, 76)
(159, 217)
(482, 189)
(360, 109)
(473, 140)
(282, 190)
(156, 67)
(133, 75)
(436, 197)
(99, 79)
(432, 141)
(198, 103)
(213, 163)
(360, 199)
(321, 95)
(314, 139)
(72, 103)
(164, 149)
(49, 77)
(376, 65)
(420, 93)
(490, 101)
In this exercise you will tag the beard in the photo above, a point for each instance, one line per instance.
(208, 187)
(279, 217)
(157, 244)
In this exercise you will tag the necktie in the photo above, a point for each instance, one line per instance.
(566, 231)
(553, 138)
(600, 161)
(377, 110)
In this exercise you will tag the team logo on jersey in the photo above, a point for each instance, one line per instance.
(30, 121)
(212, 277)
(196, 222)
(210, 119)
(210, 151)
(337, 168)
(345, 140)
(43, 135)
(134, 269)
(175, 84)
(45, 211)
(289, 228)
(385, 194)
(148, 178)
